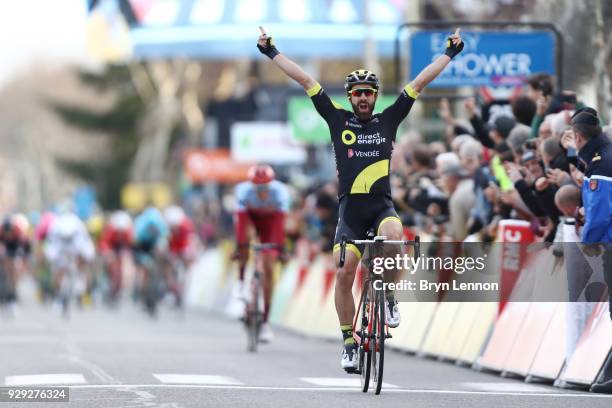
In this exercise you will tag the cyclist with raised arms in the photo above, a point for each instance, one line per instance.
(363, 143)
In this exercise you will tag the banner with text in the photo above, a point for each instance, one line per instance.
(490, 58)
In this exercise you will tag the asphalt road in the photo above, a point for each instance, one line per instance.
(124, 359)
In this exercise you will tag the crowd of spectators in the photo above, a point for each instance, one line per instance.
(494, 162)
(518, 164)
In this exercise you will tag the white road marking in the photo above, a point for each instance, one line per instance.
(339, 382)
(506, 387)
(96, 370)
(317, 389)
(45, 379)
(196, 379)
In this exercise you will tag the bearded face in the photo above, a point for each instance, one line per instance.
(363, 98)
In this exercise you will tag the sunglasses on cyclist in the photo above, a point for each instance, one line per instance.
(363, 91)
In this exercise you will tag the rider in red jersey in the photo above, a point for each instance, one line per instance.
(262, 202)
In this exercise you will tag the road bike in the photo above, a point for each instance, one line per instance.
(254, 310)
(153, 285)
(369, 328)
(72, 282)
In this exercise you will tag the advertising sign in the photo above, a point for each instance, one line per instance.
(227, 29)
(213, 166)
(490, 58)
(265, 142)
(306, 124)
(515, 236)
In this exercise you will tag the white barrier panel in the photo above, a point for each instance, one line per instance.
(422, 313)
(479, 333)
(283, 292)
(205, 276)
(314, 296)
(326, 324)
(460, 331)
(592, 349)
(551, 354)
(504, 335)
(301, 305)
(530, 337)
(440, 328)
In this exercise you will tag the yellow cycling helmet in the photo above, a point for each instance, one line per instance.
(95, 225)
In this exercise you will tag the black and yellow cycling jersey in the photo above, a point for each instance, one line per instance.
(363, 158)
(363, 149)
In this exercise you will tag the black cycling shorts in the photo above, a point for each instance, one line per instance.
(359, 213)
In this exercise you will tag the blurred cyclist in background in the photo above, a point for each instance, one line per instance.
(70, 251)
(15, 251)
(182, 250)
(116, 243)
(43, 269)
(150, 245)
(261, 202)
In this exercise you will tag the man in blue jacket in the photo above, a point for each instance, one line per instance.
(595, 154)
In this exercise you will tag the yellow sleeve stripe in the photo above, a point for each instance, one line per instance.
(314, 90)
(411, 92)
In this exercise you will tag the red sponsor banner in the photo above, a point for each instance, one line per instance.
(515, 235)
(214, 166)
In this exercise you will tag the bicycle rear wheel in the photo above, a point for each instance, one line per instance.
(152, 291)
(378, 340)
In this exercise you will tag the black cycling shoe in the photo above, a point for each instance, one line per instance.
(602, 387)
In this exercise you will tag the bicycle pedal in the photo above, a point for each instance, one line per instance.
(352, 371)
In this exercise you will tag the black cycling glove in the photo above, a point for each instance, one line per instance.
(269, 50)
(453, 49)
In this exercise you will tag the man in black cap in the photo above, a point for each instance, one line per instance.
(495, 134)
(595, 154)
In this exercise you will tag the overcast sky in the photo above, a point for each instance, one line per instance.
(41, 31)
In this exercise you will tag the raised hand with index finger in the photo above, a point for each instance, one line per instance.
(265, 45)
(454, 44)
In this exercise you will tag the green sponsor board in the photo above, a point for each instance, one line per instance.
(306, 124)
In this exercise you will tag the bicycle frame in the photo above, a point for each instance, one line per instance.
(370, 319)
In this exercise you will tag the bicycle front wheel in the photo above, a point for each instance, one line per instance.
(254, 316)
(378, 340)
(365, 356)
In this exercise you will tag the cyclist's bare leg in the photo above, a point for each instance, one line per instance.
(343, 296)
(11, 271)
(144, 278)
(83, 268)
(267, 283)
(243, 258)
(393, 230)
(116, 275)
(58, 275)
